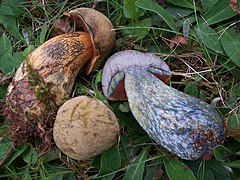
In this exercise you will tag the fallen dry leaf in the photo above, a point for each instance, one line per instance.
(233, 4)
(178, 40)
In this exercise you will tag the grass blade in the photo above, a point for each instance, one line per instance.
(135, 172)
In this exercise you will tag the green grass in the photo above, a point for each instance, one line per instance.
(207, 67)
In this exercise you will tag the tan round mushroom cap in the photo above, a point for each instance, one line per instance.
(85, 127)
(101, 31)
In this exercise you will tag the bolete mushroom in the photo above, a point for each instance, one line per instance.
(45, 79)
(184, 125)
(96, 24)
(42, 83)
(85, 127)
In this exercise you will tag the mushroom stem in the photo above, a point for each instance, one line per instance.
(181, 123)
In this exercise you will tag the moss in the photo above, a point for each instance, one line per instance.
(38, 85)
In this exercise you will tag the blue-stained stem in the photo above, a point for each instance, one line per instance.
(184, 125)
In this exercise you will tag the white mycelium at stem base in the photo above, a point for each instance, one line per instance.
(182, 124)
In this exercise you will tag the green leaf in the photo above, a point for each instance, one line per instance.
(30, 156)
(191, 89)
(221, 152)
(11, 7)
(234, 124)
(8, 61)
(220, 11)
(154, 7)
(50, 156)
(234, 164)
(17, 152)
(183, 3)
(10, 24)
(110, 162)
(234, 121)
(177, 170)
(130, 9)
(6, 46)
(220, 172)
(207, 4)
(231, 44)
(208, 37)
(138, 30)
(179, 12)
(7, 64)
(136, 170)
(4, 148)
(43, 33)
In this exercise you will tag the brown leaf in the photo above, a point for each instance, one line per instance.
(178, 40)
(233, 4)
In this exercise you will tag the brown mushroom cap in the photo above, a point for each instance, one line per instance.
(96, 24)
(101, 31)
(85, 127)
(121, 62)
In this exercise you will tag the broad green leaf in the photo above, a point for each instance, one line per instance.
(230, 66)
(4, 148)
(191, 89)
(8, 61)
(55, 171)
(208, 37)
(11, 7)
(10, 24)
(183, 3)
(234, 124)
(130, 9)
(206, 174)
(234, 121)
(50, 156)
(234, 164)
(221, 152)
(110, 162)
(136, 170)
(7, 64)
(218, 169)
(30, 156)
(231, 44)
(138, 30)
(207, 4)
(179, 12)
(17, 152)
(177, 170)
(6, 46)
(154, 7)
(220, 11)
